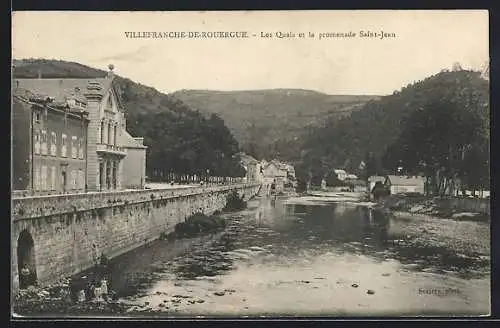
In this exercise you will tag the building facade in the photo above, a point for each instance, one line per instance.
(274, 174)
(49, 144)
(405, 184)
(106, 128)
(134, 164)
(250, 165)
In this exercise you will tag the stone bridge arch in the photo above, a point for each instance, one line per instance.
(26, 259)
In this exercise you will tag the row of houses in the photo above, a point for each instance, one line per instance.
(395, 184)
(69, 135)
(269, 172)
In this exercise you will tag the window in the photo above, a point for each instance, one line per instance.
(53, 178)
(73, 147)
(110, 135)
(44, 142)
(114, 134)
(80, 148)
(81, 180)
(38, 117)
(73, 179)
(36, 177)
(63, 146)
(102, 132)
(53, 144)
(36, 136)
(44, 177)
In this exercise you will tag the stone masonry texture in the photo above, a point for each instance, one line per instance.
(70, 232)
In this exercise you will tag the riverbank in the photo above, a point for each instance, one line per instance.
(267, 260)
(435, 207)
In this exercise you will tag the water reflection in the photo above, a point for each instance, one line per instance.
(273, 237)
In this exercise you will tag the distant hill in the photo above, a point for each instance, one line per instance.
(138, 98)
(375, 127)
(264, 117)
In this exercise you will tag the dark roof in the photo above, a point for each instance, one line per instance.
(63, 89)
(32, 99)
(247, 159)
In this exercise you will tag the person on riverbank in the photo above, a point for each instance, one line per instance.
(273, 188)
(25, 278)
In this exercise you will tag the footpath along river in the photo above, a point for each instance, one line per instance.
(297, 257)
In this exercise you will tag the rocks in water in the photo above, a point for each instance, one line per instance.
(219, 293)
(386, 274)
(195, 224)
(234, 202)
(370, 292)
(355, 285)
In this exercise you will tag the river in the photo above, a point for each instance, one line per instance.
(296, 258)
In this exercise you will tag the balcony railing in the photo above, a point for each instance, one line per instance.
(113, 149)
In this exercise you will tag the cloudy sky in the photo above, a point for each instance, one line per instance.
(425, 42)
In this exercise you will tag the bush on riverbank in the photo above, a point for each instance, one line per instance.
(194, 225)
(234, 202)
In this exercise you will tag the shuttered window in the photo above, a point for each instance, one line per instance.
(44, 142)
(44, 177)
(64, 146)
(36, 137)
(53, 144)
(53, 178)
(74, 150)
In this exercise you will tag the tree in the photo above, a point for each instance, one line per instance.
(187, 143)
(436, 139)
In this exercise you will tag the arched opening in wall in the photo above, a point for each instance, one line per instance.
(26, 260)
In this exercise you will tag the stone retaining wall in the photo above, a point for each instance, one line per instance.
(71, 232)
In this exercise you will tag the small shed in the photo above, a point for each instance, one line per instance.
(373, 180)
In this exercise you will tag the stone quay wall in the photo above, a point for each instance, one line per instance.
(70, 232)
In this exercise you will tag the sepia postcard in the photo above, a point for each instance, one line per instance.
(250, 164)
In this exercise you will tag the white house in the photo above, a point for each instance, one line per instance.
(341, 174)
(251, 167)
(405, 184)
(274, 173)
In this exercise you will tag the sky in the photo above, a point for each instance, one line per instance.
(422, 44)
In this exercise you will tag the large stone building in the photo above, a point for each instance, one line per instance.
(107, 139)
(49, 144)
